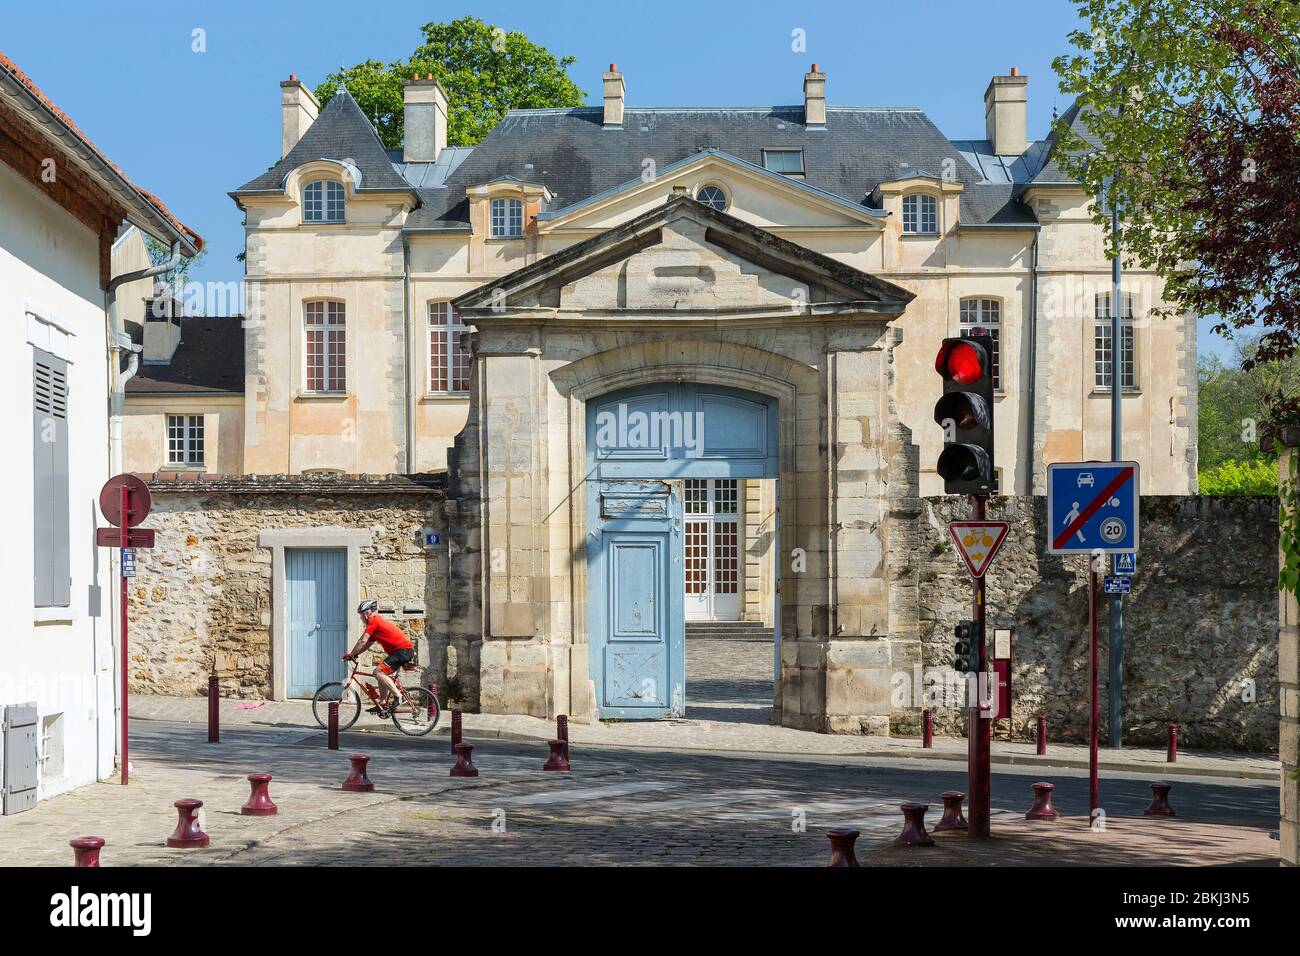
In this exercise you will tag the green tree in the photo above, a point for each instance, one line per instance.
(485, 70)
(1192, 109)
(1233, 400)
(179, 277)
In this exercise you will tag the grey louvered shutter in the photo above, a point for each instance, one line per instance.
(53, 575)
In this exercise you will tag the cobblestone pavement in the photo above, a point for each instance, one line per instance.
(729, 681)
(617, 807)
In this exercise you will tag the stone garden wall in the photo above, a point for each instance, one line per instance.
(202, 598)
(1200, 625)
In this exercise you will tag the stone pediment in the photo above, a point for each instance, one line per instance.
(683, 258)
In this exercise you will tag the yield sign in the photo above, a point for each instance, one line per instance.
(978, 542)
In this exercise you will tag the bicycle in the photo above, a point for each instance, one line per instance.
(415, 714)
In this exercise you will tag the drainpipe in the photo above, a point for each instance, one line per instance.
(408, 379)
(1033, 365)
(119, 341)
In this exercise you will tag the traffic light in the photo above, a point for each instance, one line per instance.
(966, 413)
(965, 659)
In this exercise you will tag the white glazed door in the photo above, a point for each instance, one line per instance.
(712, 542)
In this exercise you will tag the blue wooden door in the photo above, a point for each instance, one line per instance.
(641, 444)
(316, 617)
(636, 600)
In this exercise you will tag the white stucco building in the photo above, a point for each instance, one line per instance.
(62, 205)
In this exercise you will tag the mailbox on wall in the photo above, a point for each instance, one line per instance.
(1002, 667)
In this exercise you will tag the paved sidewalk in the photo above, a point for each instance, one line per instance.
(726, 736)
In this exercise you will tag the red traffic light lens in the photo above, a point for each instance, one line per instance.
(960, 361)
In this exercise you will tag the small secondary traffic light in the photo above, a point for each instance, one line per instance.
(966, 413)
(966, 660)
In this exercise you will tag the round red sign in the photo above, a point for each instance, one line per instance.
(138, 501)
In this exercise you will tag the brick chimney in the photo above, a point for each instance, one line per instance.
(614, 90)
(298, 110)
(814, 98)
(425, 103)
(1005, 108)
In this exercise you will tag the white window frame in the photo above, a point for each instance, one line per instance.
(920, 215)
(329, 207)
(1102, 348)
(985, 312)
(334, 340)
(773, 150)
(185, 436)
(506, 218)
(445, 328)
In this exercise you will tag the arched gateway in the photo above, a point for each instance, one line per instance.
(757, 358)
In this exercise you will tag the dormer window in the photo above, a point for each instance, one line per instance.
(322, 201)
(787, 162)
(507, 218)
(920, 215)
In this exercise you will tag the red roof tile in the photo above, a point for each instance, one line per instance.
(153, 200)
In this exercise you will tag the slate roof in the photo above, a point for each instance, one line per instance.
(1051, 170)
(208, 360)
(575, 157)
(571, 153)
(341, 132)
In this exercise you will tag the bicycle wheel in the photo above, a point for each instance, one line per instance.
(349, 707)
(418, 713)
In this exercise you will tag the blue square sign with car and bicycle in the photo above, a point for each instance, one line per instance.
(1092, 506)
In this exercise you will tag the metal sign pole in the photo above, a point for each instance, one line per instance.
(978, 729)
(124, 498)
(1092, 722)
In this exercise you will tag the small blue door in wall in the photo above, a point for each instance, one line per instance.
(317, 617)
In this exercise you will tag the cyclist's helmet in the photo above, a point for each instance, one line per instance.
(367, 607)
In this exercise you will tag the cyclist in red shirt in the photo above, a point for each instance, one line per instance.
(397, 645)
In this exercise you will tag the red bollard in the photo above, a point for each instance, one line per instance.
(1042, 734)
(927, 729)
(557, 760)
(187, 833)
(914, 833)
(1160, 801)
(842, 847)
(562, 732)
(357, 781)
(332, 733)
(259, 803)
(464, 766)
(214, 709)
(455, 729)
(433, 697)
(952, 815)
(85, 851)
(1171, 751)
(1042, 808)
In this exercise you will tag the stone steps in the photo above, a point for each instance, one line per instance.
(728, 631)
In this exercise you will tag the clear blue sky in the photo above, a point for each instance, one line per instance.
(192, 126)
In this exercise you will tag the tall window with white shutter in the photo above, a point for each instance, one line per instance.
(50, 495)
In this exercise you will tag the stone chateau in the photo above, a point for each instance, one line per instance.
(769, 284)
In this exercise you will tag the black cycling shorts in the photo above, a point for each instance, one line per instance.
(394, 661)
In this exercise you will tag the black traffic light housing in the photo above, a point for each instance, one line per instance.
(966, 413)
(965, 659)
